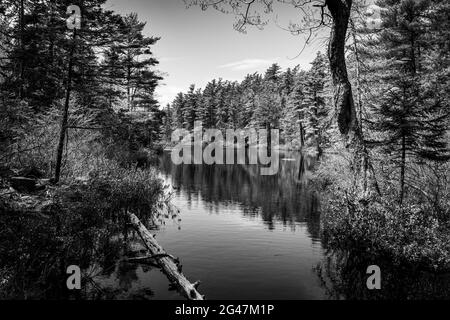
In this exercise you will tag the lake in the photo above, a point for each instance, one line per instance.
(248, 236)
(243, 235)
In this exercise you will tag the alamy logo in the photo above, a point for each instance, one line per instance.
(374, 281)
(74, 280)
(257, 146)
(74, 21)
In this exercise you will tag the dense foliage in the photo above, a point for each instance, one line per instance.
(103, 74)
(396, 203)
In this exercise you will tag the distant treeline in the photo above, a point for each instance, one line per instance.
(296, 101)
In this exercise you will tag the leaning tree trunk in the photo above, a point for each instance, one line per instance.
(166, 262)
(343, 97)
(65, 116)
(402, 169)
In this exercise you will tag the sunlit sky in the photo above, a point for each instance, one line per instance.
(197, 46)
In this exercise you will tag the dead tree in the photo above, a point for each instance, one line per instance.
(169, 265)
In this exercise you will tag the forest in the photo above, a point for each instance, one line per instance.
(78, 116)
(81, 132)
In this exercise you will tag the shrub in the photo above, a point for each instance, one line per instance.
(110, 188)
(85, 225)
(416, 232)
(407, 233)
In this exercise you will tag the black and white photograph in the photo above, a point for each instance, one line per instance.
(255, 151)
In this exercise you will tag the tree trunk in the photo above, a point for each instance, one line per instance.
(165, 261)
(302, 134)
(22, 48)
(402, 169)
(65, 118)
(129, 84)
(365, 160)
(343, 98)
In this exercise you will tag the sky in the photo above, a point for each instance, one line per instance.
(197, 46)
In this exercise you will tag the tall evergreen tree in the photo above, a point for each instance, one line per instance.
(411, 119)
(178, 107)
(273, 73)
(293, 122)
(137, 62)
(209, 104)
(315, 100)
(191, 107)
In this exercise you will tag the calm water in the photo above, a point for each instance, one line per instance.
(245, 236)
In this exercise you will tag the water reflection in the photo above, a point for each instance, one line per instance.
(244, 235)
(343, 275)
(284, 197)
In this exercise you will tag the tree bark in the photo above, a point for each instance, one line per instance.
(129, 87)
(165, 261)
(302, 134)
(402, 169)
(343, 96)
(65, 118)
(22, 47)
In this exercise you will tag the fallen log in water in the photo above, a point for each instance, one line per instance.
(167, 263)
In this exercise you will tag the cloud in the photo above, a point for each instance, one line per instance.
(248, 64)
(166, 93)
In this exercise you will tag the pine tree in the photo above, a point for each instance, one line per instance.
(178, 106)
(293, 122)
(250, 87)
(137, 60)
(235, 107)
(273, 73)
(191, 106)
(268, 107)
(209, 105)
(222, 104)
(113, 77)
(167, 122)
(288, 82)
(410, 117)
(315, 101)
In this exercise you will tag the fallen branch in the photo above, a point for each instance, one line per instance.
(153, 257)
(170, 268)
